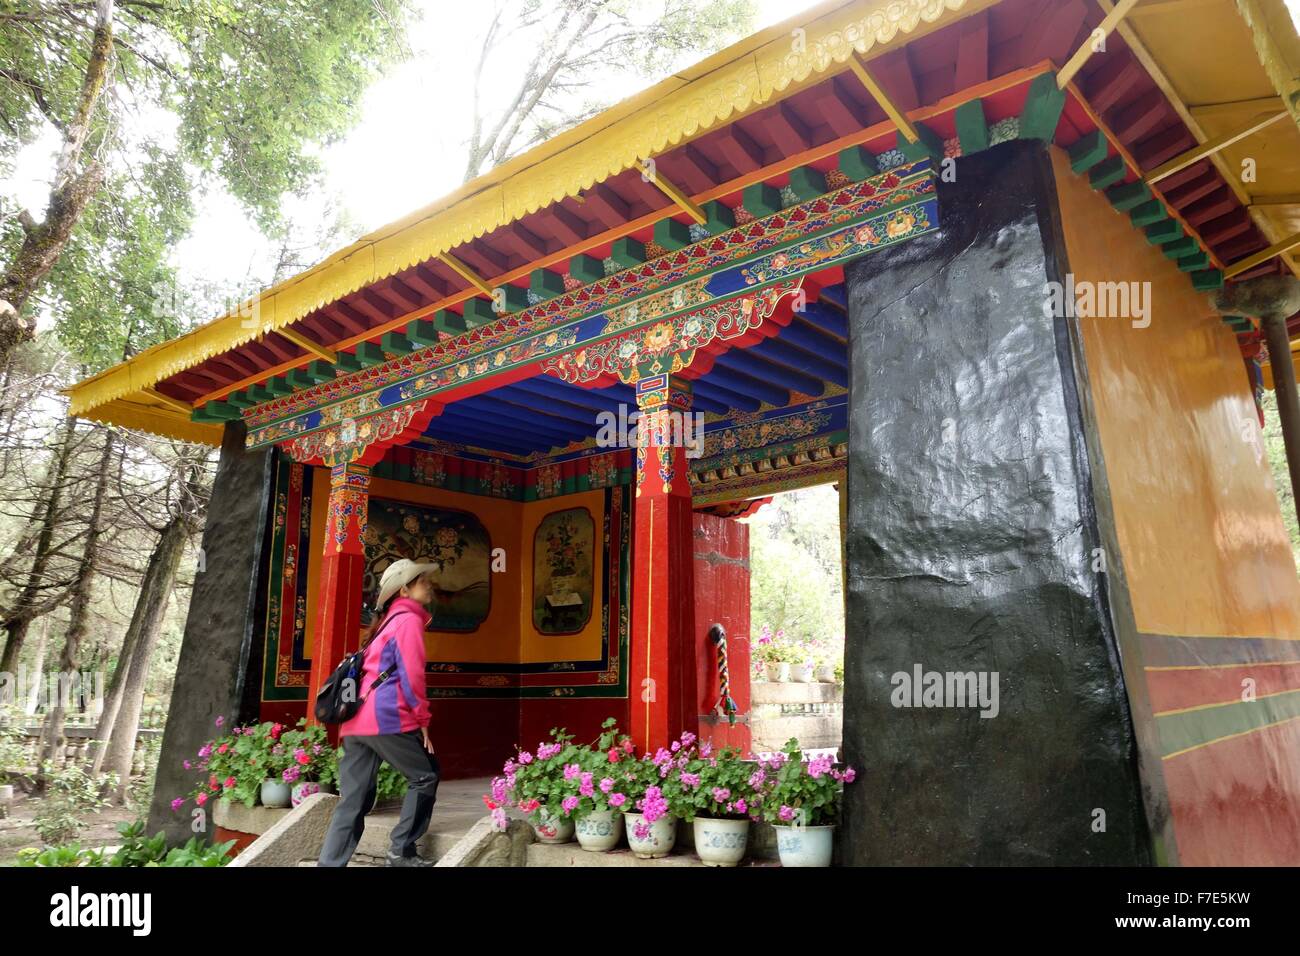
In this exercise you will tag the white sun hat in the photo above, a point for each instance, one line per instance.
(400, 572)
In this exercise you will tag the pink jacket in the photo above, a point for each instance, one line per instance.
(399, 704)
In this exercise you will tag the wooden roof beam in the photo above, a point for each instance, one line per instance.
(309, 346)
(175, 404)
(1095, 43)
(1212, 146)
(1276, 249)
(465, 272)
(651, 172)
(896, 116)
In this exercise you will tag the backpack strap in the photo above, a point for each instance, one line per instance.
(382, 675)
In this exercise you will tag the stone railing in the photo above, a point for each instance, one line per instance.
(78, 738)
(813, 712)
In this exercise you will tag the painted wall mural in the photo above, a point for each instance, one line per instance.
(286, 666)
(454, 540)
(563, 563)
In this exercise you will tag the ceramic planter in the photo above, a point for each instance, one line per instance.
(778, 673)
(826, 674)
(551, 829)
(801, 673)
(275, 793)
(305, 788)
(658, 842)
(804, 846)
(720, 842)
(600, 830)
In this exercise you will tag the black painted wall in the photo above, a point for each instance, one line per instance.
(970, 548)
(210, 673)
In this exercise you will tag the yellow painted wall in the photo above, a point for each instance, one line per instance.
(1199, 526)
(584, 645)
(508, 635)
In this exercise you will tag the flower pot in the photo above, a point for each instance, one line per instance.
(657, 842)
(826, 674)
(305, 788)
(804, 846)
(801, 673)
(275, 793)
(551, 829)
(777, 673)
(720, 842)
(599, 831)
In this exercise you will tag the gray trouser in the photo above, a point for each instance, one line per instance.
(358, 774)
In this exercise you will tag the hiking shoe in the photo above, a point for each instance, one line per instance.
(395, 860)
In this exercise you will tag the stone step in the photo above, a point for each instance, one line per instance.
(572, 854)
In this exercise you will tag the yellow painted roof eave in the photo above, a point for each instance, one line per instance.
(737, 80)
(1278, 46)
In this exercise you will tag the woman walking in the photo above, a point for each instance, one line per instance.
(391, 725)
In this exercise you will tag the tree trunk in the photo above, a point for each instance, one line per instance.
(23, 610)
(53, 741)
(120, 721)
(38, 673)
(75, 184)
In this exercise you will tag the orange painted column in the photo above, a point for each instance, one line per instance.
(338, 604)
(663, 685)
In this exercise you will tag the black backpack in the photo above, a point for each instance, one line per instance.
(337, 700)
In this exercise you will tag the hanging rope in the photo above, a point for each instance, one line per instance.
(725, 706)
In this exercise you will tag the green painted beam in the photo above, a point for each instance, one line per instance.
(422, 332)
(586, 268)
(368, 354)
(760, 199)
(1089, 151)
(855, 162)
(720, 217)
(627, 252)
(1151, 211)
(214, 412)
(396, 343)
(1165, 231)
(928, 146)
(1107, 173)
(477, 312)
(671, 234)
(260, 393)
(1124, 196)
(1199, 259)
(241, 400)
(1180, 247)
(449, 323)
(509, 298)
(807, 183)
(278, 386)
(545, 283)
(972, 127)
(1207, 280)
(1042, 109)
(320, 370)
(299, 378)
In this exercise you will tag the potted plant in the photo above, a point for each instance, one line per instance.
(598, 816)
(801, 669)
(719, 799)
(658, 798)
(537, 784)
(801, 800)
(772, 652)
(235, 766)
(313, 764)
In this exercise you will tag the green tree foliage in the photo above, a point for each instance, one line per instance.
(243, 92)
(1276, 450)
(795, 569)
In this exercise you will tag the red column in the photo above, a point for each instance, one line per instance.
(338, 602)
(663, 590)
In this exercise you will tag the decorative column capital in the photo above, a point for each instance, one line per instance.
(348, 508)
(665, 428)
